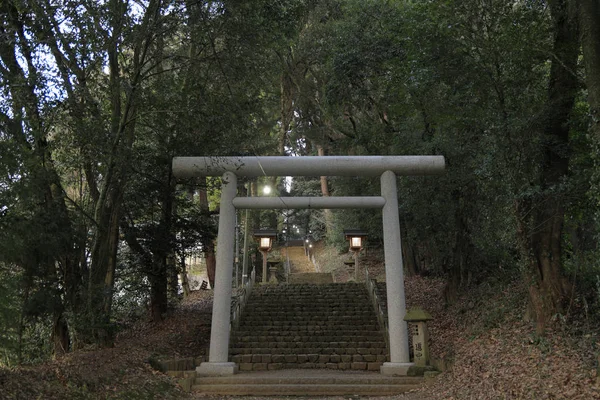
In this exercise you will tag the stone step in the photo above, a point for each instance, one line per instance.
(326, 327)
(354, 365)
(281, 389)
(309, 338)
(279, 308)
(322, 382)
(314, 344)
(309, 301)
(315, 320)
(304, 358)
(351, 294)
(309, 350)
(307, 332)
(323, 312)
(369, 324)
(309, 377)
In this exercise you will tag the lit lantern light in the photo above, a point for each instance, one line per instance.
(356, 237)
(265, 243)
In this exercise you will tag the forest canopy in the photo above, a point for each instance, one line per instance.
(97, 97)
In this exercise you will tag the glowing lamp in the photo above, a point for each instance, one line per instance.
(356, 238)
(265, 242)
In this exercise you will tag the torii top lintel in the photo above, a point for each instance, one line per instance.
(188, 167)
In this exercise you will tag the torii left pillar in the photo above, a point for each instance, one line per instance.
(218, 360)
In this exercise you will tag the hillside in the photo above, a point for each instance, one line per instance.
(491, 353)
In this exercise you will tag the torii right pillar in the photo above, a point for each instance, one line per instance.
(394, 276)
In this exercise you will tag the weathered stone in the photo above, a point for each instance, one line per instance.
(266, 358)
(245, 366)
(359, 365)
(346, 358)
(256, 358)
(332, 366)
(186, 384)
(259, 367)
(431, 374)
(313, 358)
(363, 350)
(374, 366)
(334, 358)
(357, 358)
(278, 358)
(302, 358)
(344, 365)
(291, 358)
(274, 366)
(323, 358)
(370, 358)
(417, 370)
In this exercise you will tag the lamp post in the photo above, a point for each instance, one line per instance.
(265, 243)
(356, 237)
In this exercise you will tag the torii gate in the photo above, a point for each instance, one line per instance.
(387, 167)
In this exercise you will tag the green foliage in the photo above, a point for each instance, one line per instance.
(9, 314)
(450, 77)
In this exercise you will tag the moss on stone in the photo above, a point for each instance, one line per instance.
(416, 315)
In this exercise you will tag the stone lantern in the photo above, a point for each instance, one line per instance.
(265, 242)
(356, 237)
(417, 319)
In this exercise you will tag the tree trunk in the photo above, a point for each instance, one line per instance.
(103, 266)
(287, 107)
(589, 25)
(408, 255)
(158, 289)
(325, 192)
(541, 217)
(589, 17)
(163, 252)
(173, 273)
(461, 253)
(185, 283)
(60, 336)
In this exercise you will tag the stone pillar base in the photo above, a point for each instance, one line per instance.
(217, 369)
(395, 369)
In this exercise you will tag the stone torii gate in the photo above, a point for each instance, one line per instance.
(387, 167)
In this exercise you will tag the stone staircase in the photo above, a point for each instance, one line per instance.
(330, 326)
(307, 340)
(299, 262)
(306, 383)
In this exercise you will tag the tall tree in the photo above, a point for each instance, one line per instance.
(541, 216)
(589, 15)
